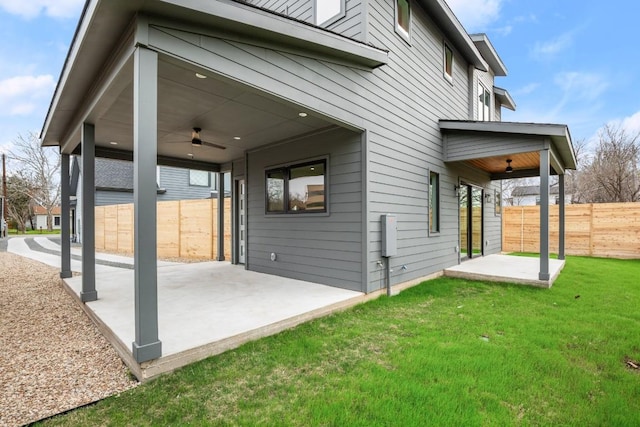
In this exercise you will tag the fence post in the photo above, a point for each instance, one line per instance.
(591, 230)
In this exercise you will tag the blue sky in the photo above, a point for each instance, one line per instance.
(569, 61)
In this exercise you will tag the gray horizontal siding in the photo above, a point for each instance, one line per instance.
(105, 198)
(399, 105)
(176, 183)
(324, 248)
(470, 145)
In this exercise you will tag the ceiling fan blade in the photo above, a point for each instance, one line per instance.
(212, 145)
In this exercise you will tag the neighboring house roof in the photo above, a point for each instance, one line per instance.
(532, 190)
(39, 210)
(113, 175)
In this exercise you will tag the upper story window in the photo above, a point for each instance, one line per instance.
(403, 18)
(328, 11)
(448, 62)
(484, 102)
(199, 178)
(297, 188)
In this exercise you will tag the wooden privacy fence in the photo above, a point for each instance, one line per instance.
(601, 229)
(186, 228)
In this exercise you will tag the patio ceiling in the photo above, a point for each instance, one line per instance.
(224, 110)
(96, 84)
(488, 145)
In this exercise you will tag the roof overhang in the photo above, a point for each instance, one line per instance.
(487, 146)
(504, 98)
(104, 25)
(442, 15)
(489, 54)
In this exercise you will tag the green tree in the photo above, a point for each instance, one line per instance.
(19, 206)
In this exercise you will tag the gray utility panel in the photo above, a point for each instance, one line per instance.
(389, 235)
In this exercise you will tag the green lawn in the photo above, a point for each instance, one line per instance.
(447, 352)
(14, 232)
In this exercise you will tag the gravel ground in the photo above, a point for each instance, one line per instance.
(52, 358)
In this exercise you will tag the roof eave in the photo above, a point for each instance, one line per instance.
(504, 97)
(240, 17)
(489, 53)
(558, 133)
(453, 29)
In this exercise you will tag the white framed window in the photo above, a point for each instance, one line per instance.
(497, 200)
(403, 19)
(434, 202)
(484, 103)
(448, 62)
(297, 189)
(199, 178)
(328, 11)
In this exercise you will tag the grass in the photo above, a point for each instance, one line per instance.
(447, 352)
(14, 232)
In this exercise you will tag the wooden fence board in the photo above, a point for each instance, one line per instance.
(603, 230)
(186, 228)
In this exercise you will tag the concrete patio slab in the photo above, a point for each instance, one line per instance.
(207, 308)
(506, 268)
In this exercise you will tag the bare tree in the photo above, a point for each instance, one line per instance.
(572, 176)
(40, 166)
(19, 206)
(612, 173)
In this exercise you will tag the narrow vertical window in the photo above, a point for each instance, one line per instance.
(328, 11)
(275, 190)
(434, 202)
(484, 102)
(448, 62)
(403, 18)
(498, 202)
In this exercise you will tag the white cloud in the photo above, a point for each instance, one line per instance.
(631, 124)
(551, 48)
(54, 8)
(581, 86)
(20, 95)
(526, 90)
(476, 15)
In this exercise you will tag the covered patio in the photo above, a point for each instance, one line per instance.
(506, 150)
(205, 309)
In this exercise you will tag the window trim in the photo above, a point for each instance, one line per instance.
(445, 48)
(405, 35)
(434, 232)
(286, 168)
(335, 18)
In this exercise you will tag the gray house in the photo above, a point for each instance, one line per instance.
(114, 182)
(328, 114)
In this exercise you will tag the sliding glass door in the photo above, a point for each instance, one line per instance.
(470, 202)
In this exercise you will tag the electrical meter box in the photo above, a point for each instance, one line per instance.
(389, 235)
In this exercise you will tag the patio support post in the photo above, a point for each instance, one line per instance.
(544, 215)
(220, 216)
(561, 217)
(65, 213)
(147, 345)
(88, 292)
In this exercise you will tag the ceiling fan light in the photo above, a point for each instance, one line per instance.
(195, 137)
(509, 168)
